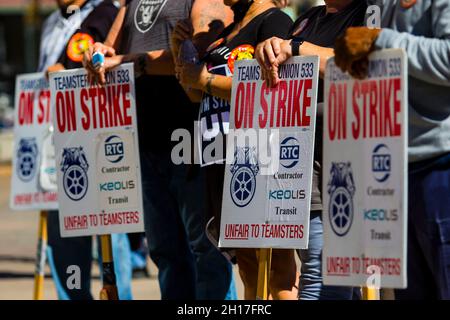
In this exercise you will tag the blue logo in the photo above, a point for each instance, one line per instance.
(75, 179)
(289, 152)
(287, 194)
(27, 153)
(381, 215)
(381, 163)
(243, 182)
(341, 189)
(114, 150)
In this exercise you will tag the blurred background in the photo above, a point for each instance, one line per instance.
(20, 29)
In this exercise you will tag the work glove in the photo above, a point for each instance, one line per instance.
(353, 48)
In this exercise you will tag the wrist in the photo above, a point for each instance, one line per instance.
(207, 85)
(205, 81)
(295, 45)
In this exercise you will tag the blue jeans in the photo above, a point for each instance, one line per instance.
(189, 266)
(64, 252)
(311, 286)
(428, 231)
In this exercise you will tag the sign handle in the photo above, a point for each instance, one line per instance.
(370, 293)
(39, 272)
(264, 262)
(109, 290)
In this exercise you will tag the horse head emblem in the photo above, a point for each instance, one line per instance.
(74, 156)
(341, 175)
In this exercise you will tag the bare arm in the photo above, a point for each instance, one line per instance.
(114, 34)
(218, 86)
(197, 77)
(309, 49)
(209, 18)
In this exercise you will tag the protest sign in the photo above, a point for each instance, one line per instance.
(270, 146)
(33, 181)
(364, 174)
(97, 153)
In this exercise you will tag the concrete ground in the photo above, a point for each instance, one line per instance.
(18, 241)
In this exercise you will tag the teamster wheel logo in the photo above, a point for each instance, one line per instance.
(243, 182)
(75, 182)
(341, 211)
(341, 188)
(75, 179)
(243, 186)
(27, 159)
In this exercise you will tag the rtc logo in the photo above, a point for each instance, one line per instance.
(75, 179)
(381, 163)
(147, 13)
(341, 189)
(243, 182)
(289, 152)
(27, 159)
(114, 151)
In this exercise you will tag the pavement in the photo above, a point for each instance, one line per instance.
(18, 242)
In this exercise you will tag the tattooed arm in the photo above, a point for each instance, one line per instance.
(209, 18)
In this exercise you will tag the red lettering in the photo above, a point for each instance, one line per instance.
(86, 119)
(282, 96)
(264, 107)
(26, 100)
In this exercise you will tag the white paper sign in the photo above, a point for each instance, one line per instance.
(364, 174)
(30, 158)
(97, 153)
(268, 179)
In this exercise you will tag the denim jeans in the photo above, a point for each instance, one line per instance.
(428, 231)
(64, 252)
(189, 266)
(311, 285)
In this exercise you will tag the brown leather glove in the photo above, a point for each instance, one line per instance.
(352, 49)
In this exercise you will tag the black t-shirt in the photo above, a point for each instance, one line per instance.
(321, 28)
(162, 105)
(93, 29)
(220, 58)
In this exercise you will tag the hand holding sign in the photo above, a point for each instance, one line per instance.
(270, 54)
(353, 48)
(96, 73)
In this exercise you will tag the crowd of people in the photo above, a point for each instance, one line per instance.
(182, 203)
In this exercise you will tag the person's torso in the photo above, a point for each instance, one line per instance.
(94, 28)
(429, 123)
(322, 29)
(58, 28)
(162, 105)
(220, 59)
(148, 24)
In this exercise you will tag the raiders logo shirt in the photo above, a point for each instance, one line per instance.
(93, 29)
(321, 28)
(220, 58)
(162, 105)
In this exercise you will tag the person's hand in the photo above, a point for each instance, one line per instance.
(270, 54)
(183, 31)
(192, 76)
(353, 48)
(97, 75)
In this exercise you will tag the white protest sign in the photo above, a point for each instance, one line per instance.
(268, 175)
(30, 158)
(364, 174)
(97, 153)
